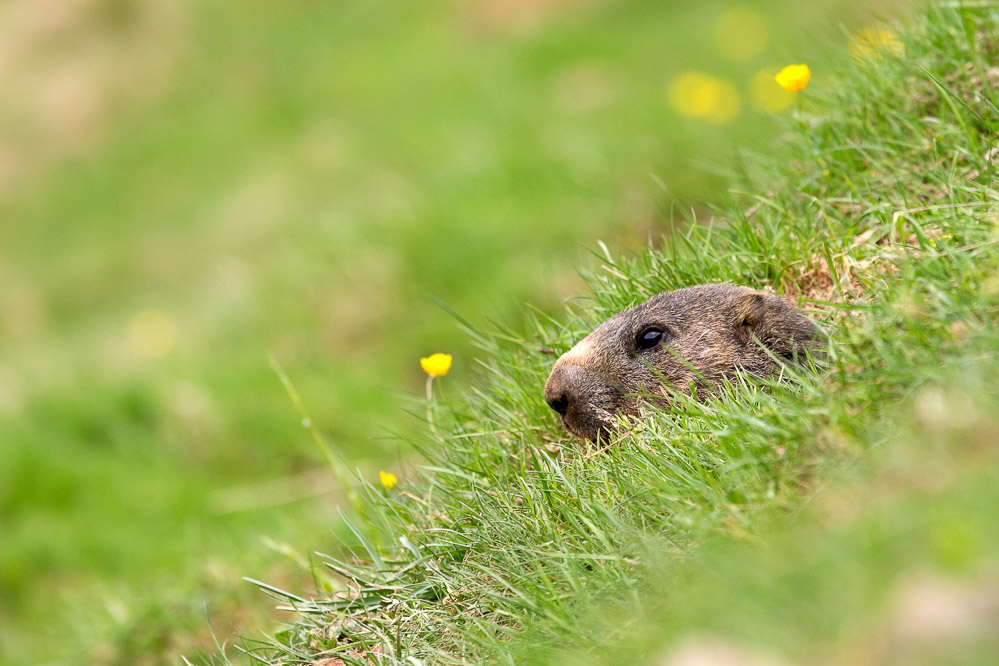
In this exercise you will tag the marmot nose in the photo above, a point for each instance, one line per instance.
(559, 389)
(560, 403)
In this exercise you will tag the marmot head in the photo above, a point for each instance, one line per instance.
(676, 341)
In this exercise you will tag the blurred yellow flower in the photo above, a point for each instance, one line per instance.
(436, 365)
(793, 77)
(387, 478)
(872, 42)
(701, 95)
(765, 95)
(741, 33)
(152, 334)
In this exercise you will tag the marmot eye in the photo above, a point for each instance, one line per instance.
(650, 338)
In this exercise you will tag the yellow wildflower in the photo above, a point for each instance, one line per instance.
(701, 95)
(793, 78)
(436, 365)
(388, 479)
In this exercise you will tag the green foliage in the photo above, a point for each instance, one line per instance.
(515, 544)
(300, 179)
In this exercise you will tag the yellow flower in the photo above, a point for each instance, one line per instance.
(701, 95)
(436, 365)
(388, 479)
(793, 77)
(944, 237)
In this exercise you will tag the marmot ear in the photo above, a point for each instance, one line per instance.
(750, 313)
(774, 323)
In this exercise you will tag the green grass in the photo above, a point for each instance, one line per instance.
(820, 518)
(309, 179)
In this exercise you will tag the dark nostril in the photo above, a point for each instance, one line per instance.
(559, 403)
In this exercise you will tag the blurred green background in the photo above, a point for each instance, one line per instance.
(188, 187)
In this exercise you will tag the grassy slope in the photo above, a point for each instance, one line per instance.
(825, 518)
(310, 177)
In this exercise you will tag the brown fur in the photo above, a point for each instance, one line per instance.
(710, 332)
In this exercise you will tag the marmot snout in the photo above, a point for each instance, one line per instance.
(676, 341)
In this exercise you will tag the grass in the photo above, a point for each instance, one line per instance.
(299, 180)
(826, 517)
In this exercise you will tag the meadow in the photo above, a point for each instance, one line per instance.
(191, 189)
(844, 513)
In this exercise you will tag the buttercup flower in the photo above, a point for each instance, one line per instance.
(436, 365)
(701, 95)
(793, 78)
(388, 479)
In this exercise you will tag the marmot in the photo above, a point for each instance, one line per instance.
(678, 340)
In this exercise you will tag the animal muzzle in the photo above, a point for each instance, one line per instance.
(583, 399)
